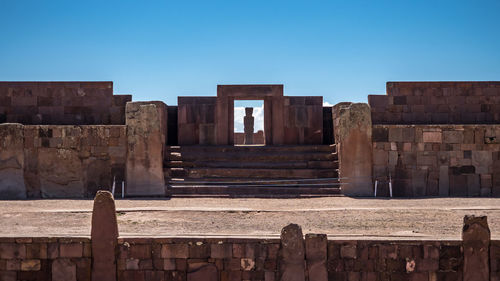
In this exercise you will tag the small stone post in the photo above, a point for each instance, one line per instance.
(316, 256)
(476, 242)
(248, 122)
(291, 263)
(104, 235)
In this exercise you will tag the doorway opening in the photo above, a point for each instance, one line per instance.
(249, 122)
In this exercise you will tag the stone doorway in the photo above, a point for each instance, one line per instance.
(248, 122)
(272, 95)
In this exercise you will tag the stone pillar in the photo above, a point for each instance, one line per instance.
(353, 136)
(291, 263)
(104, 235)
(476, 241)
(12, 184)
(248, 122)
(316, 255)
(146, 131)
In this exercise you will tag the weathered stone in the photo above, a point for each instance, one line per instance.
(476, 242)
(432, 137)
(207, 272)
(104, 235)
(146, 140)
(65, 270)
(316, 256)
(30, 265)
(12, 184)
(292, 254)
(353, 135)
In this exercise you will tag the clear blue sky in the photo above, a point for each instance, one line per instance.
(158, 50)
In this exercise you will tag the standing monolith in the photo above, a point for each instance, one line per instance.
(248, 122)
(104, 235)
(353, 137)
(292, 254)
(476, 241)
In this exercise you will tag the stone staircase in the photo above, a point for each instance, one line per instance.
(252, 171)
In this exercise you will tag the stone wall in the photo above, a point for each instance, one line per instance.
(303, 120)
(438, 160)
(61, 103)
(63, 161)
(291, 257)
(196, 120)
(45, 259)
(437, 103)
(238, 259)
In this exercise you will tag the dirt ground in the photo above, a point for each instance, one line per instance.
(339, 217)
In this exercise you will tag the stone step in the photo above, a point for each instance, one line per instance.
(248, 181)
(259, 173)
(258, 157)
(253, 165)
(251, 191)
(252, 148)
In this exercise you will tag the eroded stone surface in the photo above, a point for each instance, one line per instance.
(476, 240)
(353, 135)
(12, 184)
(104, 236)
(146, 140)
(292, 254)
(316, 256)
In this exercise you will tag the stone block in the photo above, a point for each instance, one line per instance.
(458, 185)
(353, 134)
(444, 181)
(473, 185)
(30, 265)
(207, 272)
(146, 133)
(178, 251)
(435, 137)
(70, 250)
(65, 270)
(380, 134)
(453, 136)
(221, 251)
(396, 134)
(12, 185)
(316, 256)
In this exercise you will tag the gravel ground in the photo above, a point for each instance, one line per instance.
(339, 217)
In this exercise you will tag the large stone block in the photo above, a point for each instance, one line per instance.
(353, 135)
(316, 256)
(12, 184)
(146, 131)
(61, 173)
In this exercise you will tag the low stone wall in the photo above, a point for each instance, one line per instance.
(45, 258)
(62, 161)
(432, 160)
(292, 257)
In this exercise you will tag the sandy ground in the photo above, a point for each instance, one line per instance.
(339, 217)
